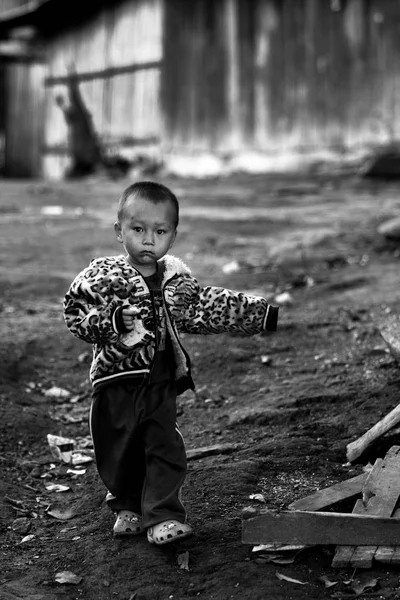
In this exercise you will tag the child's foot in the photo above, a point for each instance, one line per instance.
(127, 523)
(168, 531)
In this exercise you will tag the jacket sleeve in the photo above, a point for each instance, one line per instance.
(216, 310)
(88, 314)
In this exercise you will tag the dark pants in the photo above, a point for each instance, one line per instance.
(140, 453)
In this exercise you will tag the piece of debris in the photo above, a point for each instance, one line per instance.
(380, 494)
(231, 267)
(266, 360)
(257, 497)
(57, 392)
(368, 533)
(52, 211)
(61, 513)
(67, 577)
(327, 582)
(284, 299)
(289, 579)
(27, 538)
(204, 451)
(80, 459)
(84, 356)
(57, 487)
(60, 447)
(183, 560)
(278, 548)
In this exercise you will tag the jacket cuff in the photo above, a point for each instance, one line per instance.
(118, 322)
(271, 318)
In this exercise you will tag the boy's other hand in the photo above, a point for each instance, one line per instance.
(128, 316)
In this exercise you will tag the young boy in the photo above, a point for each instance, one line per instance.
(130, 308)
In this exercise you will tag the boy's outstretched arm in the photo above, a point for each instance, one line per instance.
(216, 310)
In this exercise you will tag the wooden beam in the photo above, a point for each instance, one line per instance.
(126, 142)
(102, 73)
(322, 499)
(319, 528)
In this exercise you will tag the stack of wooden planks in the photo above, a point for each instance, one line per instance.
(370, 533)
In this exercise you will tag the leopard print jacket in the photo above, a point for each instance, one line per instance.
(98, 294)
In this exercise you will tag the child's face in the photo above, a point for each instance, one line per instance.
(147, 230)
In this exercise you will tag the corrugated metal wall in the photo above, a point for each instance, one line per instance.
(117, 58)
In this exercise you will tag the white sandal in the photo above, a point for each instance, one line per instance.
(127, 523)
(168, 531)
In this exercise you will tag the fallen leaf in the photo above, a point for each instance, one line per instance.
(67, 577)
(326, 581)
(257, 497)
(183, 560)
(359, 588)
(282, 561)
(62, 514)
(27, 538)
(290, 579)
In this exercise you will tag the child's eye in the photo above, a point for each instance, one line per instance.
(160, 231)
(138, 229)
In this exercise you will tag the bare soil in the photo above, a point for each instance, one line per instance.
(281, 406)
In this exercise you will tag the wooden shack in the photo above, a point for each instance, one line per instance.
(239, 82)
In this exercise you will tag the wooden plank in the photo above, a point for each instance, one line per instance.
(356, 448)
(388, 554)
(322, 499)
(380, 495)
(104, 73)
(342, 559)
(319, 528)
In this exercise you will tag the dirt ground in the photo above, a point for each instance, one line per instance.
(282, 407)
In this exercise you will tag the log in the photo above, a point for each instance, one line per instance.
(356, 448)
(319, 528)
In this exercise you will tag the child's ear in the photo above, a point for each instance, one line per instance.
(117, 229)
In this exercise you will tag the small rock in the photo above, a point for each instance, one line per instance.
(390, 229)
(284, 299)
(21, 525)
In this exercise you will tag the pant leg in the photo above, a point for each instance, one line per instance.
(115, 427)
(166, 464)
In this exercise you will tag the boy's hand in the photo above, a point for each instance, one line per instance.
(128, 316)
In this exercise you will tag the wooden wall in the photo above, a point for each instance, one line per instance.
(275, 75)
(231, 76)
(117, 57)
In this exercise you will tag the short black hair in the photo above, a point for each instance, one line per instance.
(148, 190)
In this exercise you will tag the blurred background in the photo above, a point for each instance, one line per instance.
(199, 87)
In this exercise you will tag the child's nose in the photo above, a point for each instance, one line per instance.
(148, 238)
